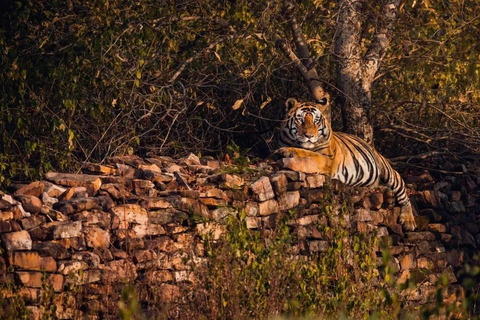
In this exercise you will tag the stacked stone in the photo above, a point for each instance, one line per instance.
(447, 235)
(142, 221)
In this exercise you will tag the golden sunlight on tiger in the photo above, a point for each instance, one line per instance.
(306, 133)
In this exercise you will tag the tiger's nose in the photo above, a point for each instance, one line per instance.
(309, 134)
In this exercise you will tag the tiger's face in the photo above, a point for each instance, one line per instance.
(305, 125)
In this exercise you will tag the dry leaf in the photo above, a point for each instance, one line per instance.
(264, 103)
(237, 104)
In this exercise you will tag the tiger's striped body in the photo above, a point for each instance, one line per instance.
(307, 133)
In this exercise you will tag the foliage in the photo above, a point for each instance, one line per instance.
(83, 80)
(255, 276)
(12, 305)
(430, 93)
(128, 305)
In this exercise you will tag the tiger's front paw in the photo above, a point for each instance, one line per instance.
(285, 152)
(406, 217)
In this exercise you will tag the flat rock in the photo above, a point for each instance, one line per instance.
(53, 190)
(262, 189)
(167, 216)
(66, 229)
(33, 189)
(92, 259)
(148, 230)
(19, 240)
(35, 279)
(94, 217)
(80, 204)
(31, 204)
(130, 213)
(212, 163)
(30, 260)
(154, 203)
(421, 236)
(279, 183)
(67, 195)
(191, 206)
(191, 159)
(98, 169)
(268, 207)
(71, 267)
(362, 214)
(316, 181)
(232, 181)
(293, 176)
(50, 248)
(288, 200)
(214, 193)
(33, 221)
(118, 271)
(91, 182)
(96, 237)
(213, 202)
(48, 200)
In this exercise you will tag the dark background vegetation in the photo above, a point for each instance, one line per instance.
(84, 80)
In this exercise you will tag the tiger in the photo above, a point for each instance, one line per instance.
(306, 132)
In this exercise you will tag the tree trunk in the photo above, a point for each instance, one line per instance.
(356, 71)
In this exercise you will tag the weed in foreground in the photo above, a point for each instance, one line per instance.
(253, 274)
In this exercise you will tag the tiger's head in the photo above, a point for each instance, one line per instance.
(305, 125)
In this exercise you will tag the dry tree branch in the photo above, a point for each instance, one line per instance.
(432, 169)
(302, 60)
(392, 126)
(407, 136)
(282, 45)
(310, 76)
(303, 52)
(421, 156)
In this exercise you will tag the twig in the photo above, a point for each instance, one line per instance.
(430, 169)
(181, 180)
(421, 156)
(196, 56)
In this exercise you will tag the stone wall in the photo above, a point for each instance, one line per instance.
(136, 220)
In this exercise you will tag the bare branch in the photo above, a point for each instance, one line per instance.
(302, 60)
(421, 156)
(310, 76)
(406, 164)
(282, 44)
(301, 44)
(303, 52)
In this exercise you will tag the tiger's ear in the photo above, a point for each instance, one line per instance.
(323, 103)
(291, 103)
